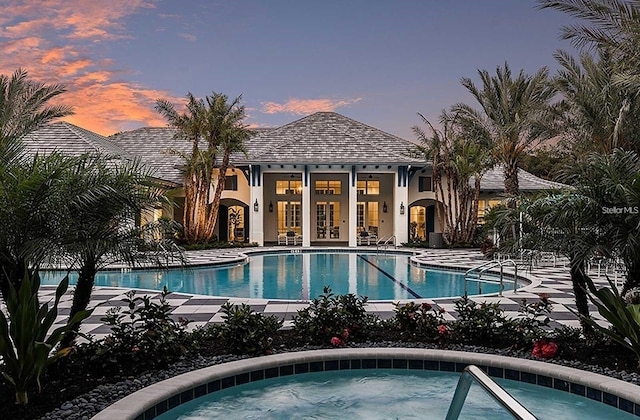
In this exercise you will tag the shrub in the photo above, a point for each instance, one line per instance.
(25, 343)
(334, 319)
(143, 335)
(531, 325)
(624, 318)
(247, 332)
(421, 322)
(480, 323)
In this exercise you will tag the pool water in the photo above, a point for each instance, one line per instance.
(381, 394)
(301, 276)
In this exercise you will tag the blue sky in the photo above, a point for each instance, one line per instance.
(379, 62)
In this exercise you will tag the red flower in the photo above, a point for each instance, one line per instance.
(336, 341)
(442, 329)
(544, 349)
(426, 306)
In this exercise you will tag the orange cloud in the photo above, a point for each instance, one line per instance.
(112, 107)
(78, 18)
(306, 106)
(54, 40)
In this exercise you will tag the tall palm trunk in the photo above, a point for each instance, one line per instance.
(81, 298)
(511, 185)
(212, 216)
(579, 282)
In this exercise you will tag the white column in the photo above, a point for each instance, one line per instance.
(306, 210)
(353, 209)
(256, 233)
(401, 221)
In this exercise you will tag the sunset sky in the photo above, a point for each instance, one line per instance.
(379, 62)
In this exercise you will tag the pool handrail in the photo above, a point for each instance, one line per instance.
(502, 397)
(480, 269)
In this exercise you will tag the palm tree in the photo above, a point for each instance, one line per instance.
(214, 127)
(23, 108)
(31, 210)
(611, 184)
(457, 157)
(26, 185)
(106, 198)
(563, 223)
(595, 107)
(614, 25)
(513, 115)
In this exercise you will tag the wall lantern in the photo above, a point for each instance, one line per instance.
(256, 206)
(401, 207)
(270, 206)
(384, 207)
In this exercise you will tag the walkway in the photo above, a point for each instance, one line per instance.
(202, 310)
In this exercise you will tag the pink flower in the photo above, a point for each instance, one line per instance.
(336, 341)
(442, 329)
(544, 349)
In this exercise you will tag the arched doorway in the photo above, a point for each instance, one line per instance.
(233, 221)
(421, 220)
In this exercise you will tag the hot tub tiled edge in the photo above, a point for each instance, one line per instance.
(154, 400)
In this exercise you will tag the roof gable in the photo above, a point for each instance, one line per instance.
(493, 180)
(71, 140)
(328, 137)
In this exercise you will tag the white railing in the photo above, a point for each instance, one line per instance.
(496, 392)
(484, 267)
(385, 242)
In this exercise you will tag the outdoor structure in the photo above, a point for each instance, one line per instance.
(324, 179)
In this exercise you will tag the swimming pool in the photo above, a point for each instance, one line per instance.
(301, 276)
(381, 394)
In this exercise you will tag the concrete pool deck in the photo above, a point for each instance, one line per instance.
(552, 280)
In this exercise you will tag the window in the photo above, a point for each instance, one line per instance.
(425, 184)
(369, 187)
(289, 187)
(231, 183)
(289, 216)
(367, 217)
(484, 206)
(328, 187)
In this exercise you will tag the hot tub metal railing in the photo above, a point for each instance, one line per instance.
(473, 373)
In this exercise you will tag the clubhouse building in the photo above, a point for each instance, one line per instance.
(324, 179)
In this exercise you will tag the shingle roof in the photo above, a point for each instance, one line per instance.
(326, 138)
(152, 145)
(493, 180)
(70, 140)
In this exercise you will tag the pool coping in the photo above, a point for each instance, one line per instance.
(155, 399)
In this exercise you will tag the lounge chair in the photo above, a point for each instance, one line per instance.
(367, 237)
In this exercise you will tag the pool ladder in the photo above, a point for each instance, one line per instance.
(473, 373)
(482, 268)
(385, 242)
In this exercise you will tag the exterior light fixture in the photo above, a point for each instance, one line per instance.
(384, 207)
(270, 206)
(256, 206)
(401, 207)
